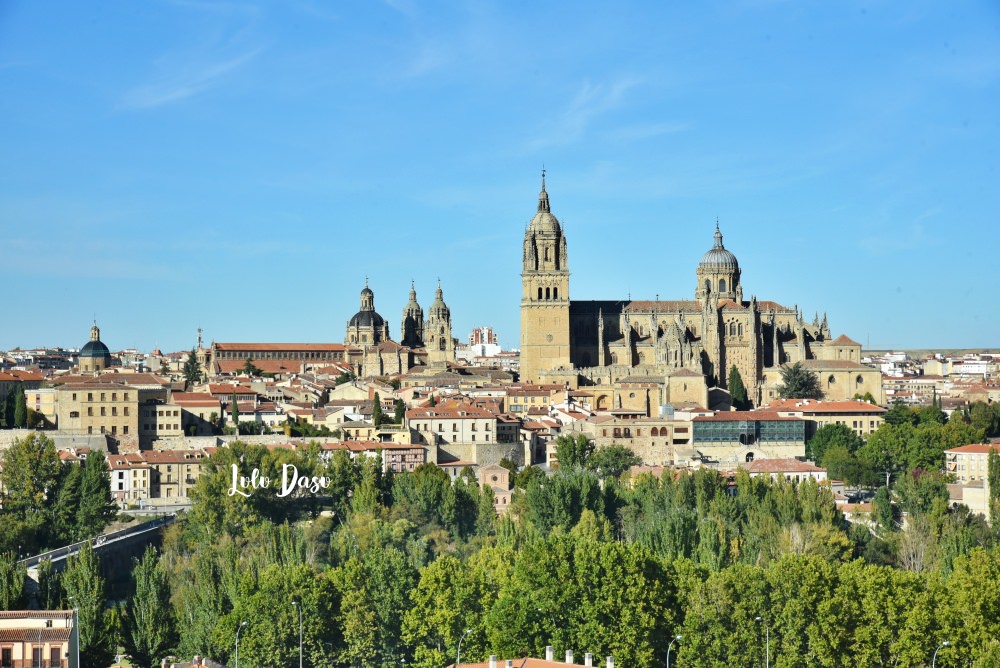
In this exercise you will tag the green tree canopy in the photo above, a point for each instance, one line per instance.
(611, 461)
(192, 370)
(377, 417)
(149, 630)
(830, 435)
(798, 382)
(737, 390)
(251, 369)
(573, 450)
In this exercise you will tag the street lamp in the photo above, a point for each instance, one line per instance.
(944, 643)
(767, 641)
(238, 629)
(296, 604)
(458, 660)
(675, 639)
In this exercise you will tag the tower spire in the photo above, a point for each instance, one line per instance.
(543, 196)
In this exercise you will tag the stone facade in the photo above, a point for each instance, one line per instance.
(680, 347)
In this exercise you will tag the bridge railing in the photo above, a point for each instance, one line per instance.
(103, 539)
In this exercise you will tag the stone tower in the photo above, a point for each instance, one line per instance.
(720, 272)
(94, 356)
(545, 340)
(413, 322)
(437, 332)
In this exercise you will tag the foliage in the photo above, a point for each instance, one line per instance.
(235, 409)
(251, 369)
(900, 414)
(150, 626)
(798, 382)
(191, 370)
(13, 578)
(611, 461)
(97, 508)
(737, 390)
(83, 587)
(573, 450)
(377, 417)
(829, 435)
(20, 407)
(399, 414)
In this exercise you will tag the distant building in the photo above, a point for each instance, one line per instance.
(94, 356)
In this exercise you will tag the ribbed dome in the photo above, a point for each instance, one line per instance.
(544, 221)
(366, 319)
(95, 349)
(719, 259)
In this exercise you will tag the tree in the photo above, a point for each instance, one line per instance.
(432, 402)
(798, 382)
(12, 582)
(400, 415)
(30, 468)
(83, 582)
(377, 417)
(97, 507)
(251, 369)
(899, 414)
(612, 460)
(737, 390)
(20, 407)
(192, 370)
(993, 482)
(236, 412)
(149, 626)
(573, 450)
(829, 435)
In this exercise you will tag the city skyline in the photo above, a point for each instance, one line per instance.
(243, 168)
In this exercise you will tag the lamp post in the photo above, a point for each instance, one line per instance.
(297, 605)
(238, 629)
(767, 642)
(675, 639)
(458, 660)
(944, 643)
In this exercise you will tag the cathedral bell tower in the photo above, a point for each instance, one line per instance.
(437, 332)
(545, 294)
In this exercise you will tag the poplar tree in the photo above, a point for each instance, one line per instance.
(20, 408)
(149, 629)
(377, 417)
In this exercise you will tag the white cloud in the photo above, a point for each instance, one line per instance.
(185, 81)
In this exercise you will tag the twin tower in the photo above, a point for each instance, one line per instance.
(433, 334)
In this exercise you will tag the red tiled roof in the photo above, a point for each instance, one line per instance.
(281, 347)
(975, 449)
(820, 406)
(751, 416)
(782, 466)
(844, 340)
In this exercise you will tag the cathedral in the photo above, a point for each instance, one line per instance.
(423, 342)
(636, 355)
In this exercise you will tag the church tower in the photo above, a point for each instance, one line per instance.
(437, 332)
(413, 322)
(545, 294)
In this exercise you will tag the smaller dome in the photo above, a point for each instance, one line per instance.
(366, 291)
(366, 319)
(719, 259)
(95, 349)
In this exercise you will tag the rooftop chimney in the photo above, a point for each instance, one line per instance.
(550, 653)
(611, 662)
(493, 661)
(588, 659)
(569, 656)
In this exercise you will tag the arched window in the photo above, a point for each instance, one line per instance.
(749, 457)
(546, 253)
(539, 293)
(614, 358)
(739, 329)
(722, 285)
(555, 293)
(708, 285)
(547, 293)
(831, 380)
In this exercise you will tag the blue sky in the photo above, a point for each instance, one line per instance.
(242, 167)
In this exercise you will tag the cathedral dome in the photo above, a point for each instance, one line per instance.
(366, 319)
(95, 349)
(719, 259)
